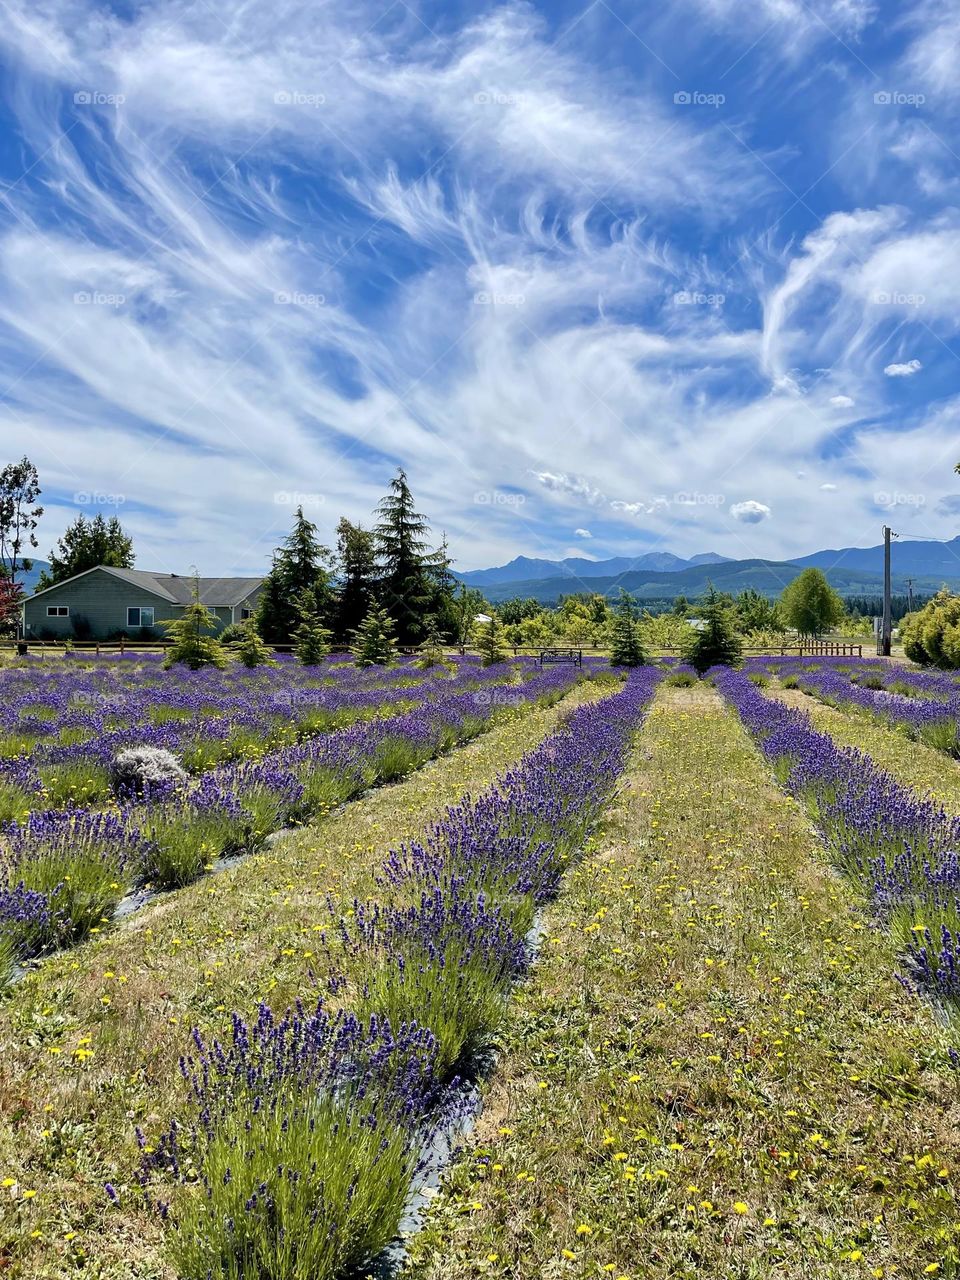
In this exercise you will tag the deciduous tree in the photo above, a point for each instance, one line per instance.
(19, 515)
(810, 605)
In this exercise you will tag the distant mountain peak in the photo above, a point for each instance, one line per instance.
(578, 568)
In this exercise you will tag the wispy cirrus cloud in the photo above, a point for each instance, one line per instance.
(281, 250)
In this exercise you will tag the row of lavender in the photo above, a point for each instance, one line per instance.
(900, 848)
(301, 1140)
(60, 730)
(923, 703)
(63, 872)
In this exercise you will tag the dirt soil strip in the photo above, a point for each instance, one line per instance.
(913, 763)
(711, 1072)
(89, 1044)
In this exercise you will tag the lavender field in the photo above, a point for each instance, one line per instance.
(619, 966)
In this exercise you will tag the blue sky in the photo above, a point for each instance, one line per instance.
(604, 278)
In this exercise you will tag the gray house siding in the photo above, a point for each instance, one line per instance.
(98, 602)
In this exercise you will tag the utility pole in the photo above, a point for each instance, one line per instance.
(910, 595)
(886, 630)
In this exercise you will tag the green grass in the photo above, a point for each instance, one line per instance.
(80, 783)
(712, 1072)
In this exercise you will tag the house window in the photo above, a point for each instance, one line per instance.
(245, 614)
(58, 611)
(140, 616)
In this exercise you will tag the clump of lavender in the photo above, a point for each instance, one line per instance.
(77, 861)
(145, 771)
(302, 1139)
(448, 962)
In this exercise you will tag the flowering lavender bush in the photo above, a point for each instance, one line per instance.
(301, 1141)
(79, 863)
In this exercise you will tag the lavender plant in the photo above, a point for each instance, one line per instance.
(300, 1141)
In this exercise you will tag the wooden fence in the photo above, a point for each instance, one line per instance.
(544, 653)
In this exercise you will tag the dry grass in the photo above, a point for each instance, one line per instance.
(713, 1071)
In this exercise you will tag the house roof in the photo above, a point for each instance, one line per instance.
(175, 588)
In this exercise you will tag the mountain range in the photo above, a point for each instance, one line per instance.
(661, 575)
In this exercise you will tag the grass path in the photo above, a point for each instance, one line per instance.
(712, 1072)
(910, 762)
(89, 1044)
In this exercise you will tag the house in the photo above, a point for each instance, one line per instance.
(104, 603)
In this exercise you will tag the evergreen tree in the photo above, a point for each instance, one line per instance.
(626, 643)
(252, 650)
(407, 582)
(717, 643)
(444, 608)
(311, 636)
(373, 643)
(430, 651)
(299, 565)
(356, 573)
(191, 646)
(490, 643)
(84, 545)
(810, 605)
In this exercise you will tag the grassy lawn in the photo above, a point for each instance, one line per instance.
(89, 1044)
(711, 1072)
(909, 761)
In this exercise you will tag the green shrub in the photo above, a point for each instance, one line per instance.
(680, 680)
(626, 642)
(717, 643)
(373, 644)
(75, 782)
(931, 636)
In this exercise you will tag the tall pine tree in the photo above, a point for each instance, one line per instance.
(407, 583)
(356, 572)
(300, 563)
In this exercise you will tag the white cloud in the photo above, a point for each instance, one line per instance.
(906, 370)
(828, 488)
(750, 512)
(570, 486)
(842, 402)
(583, 533)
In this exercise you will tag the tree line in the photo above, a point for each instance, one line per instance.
(388, 577)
